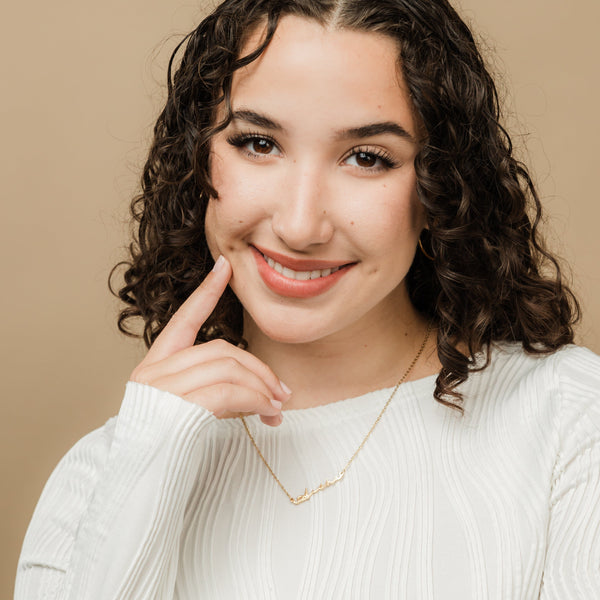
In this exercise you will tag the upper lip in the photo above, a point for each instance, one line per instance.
(299, 264)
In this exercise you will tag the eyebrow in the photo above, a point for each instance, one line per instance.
(254, 118)
(363, 131)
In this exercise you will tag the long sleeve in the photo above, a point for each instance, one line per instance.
(108, 522)
(572, 567)
(166, 501)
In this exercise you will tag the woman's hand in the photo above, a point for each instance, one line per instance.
(219, 376)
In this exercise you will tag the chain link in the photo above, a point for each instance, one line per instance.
(328, 483)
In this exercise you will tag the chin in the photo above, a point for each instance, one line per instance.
(291, 334)
(290, 331)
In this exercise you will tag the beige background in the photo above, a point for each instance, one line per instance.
(82, 82)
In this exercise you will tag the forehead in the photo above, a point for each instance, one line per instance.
(344, 76)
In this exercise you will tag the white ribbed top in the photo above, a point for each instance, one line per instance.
(166, 501)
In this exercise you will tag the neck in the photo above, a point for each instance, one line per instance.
(372, 354)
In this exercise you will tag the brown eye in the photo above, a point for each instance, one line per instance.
(363, 159)
(370, 161)
(253, 145)
(262, 146)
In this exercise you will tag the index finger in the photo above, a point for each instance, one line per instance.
(181, 330)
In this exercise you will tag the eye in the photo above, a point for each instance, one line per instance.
(254, 145)
(261, 145)
(365, 159)
(370, 160)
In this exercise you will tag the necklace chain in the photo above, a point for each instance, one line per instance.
(329, 482)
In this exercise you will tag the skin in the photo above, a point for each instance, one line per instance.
(304, 191)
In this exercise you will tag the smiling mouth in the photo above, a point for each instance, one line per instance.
(299, 275)
(307, 278)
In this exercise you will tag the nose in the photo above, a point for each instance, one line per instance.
(301, 218)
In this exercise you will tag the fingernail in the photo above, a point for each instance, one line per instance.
(219, 264)
(276, 404)
(285, 388)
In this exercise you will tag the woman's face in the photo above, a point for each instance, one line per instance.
(317, 210)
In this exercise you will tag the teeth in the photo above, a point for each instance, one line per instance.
(299, 275)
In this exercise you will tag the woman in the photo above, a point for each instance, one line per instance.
(390, 315)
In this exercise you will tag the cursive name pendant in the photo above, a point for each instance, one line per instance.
(307, 495)
(329, 482)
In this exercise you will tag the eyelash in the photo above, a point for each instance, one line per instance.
(240, 140)
(384, 157)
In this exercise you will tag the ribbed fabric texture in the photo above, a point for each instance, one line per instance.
(166, 501)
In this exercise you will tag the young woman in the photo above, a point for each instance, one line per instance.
(361, 381)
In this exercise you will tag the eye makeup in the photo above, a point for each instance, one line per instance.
(361, 153)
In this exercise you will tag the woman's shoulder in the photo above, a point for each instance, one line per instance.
(568, 352)
(576, 365)
(568, 378)
(568, 363)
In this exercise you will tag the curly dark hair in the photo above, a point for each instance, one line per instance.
(491, 277)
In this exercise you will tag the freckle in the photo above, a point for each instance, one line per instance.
(240, 221)
(324, 212)
(351, 222)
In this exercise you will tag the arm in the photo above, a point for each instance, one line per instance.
(572, 567)
(108, 522)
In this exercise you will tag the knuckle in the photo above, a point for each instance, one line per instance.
(265, 401)
(267, 372)
(136, 374)
(222, 393)
(229, 362)
(145, 375)
(220, 345)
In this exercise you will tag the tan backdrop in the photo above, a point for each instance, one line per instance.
(82, 82)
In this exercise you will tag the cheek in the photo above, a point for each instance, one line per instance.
(415, 213)
(391, 219)
(239, 208)
(224, 225)
(407, 214)
(220, 219)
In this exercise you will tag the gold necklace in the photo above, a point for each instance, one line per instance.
(329, 482)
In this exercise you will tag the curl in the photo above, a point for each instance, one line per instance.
(492, 278)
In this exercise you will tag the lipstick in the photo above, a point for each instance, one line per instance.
(297, 278)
